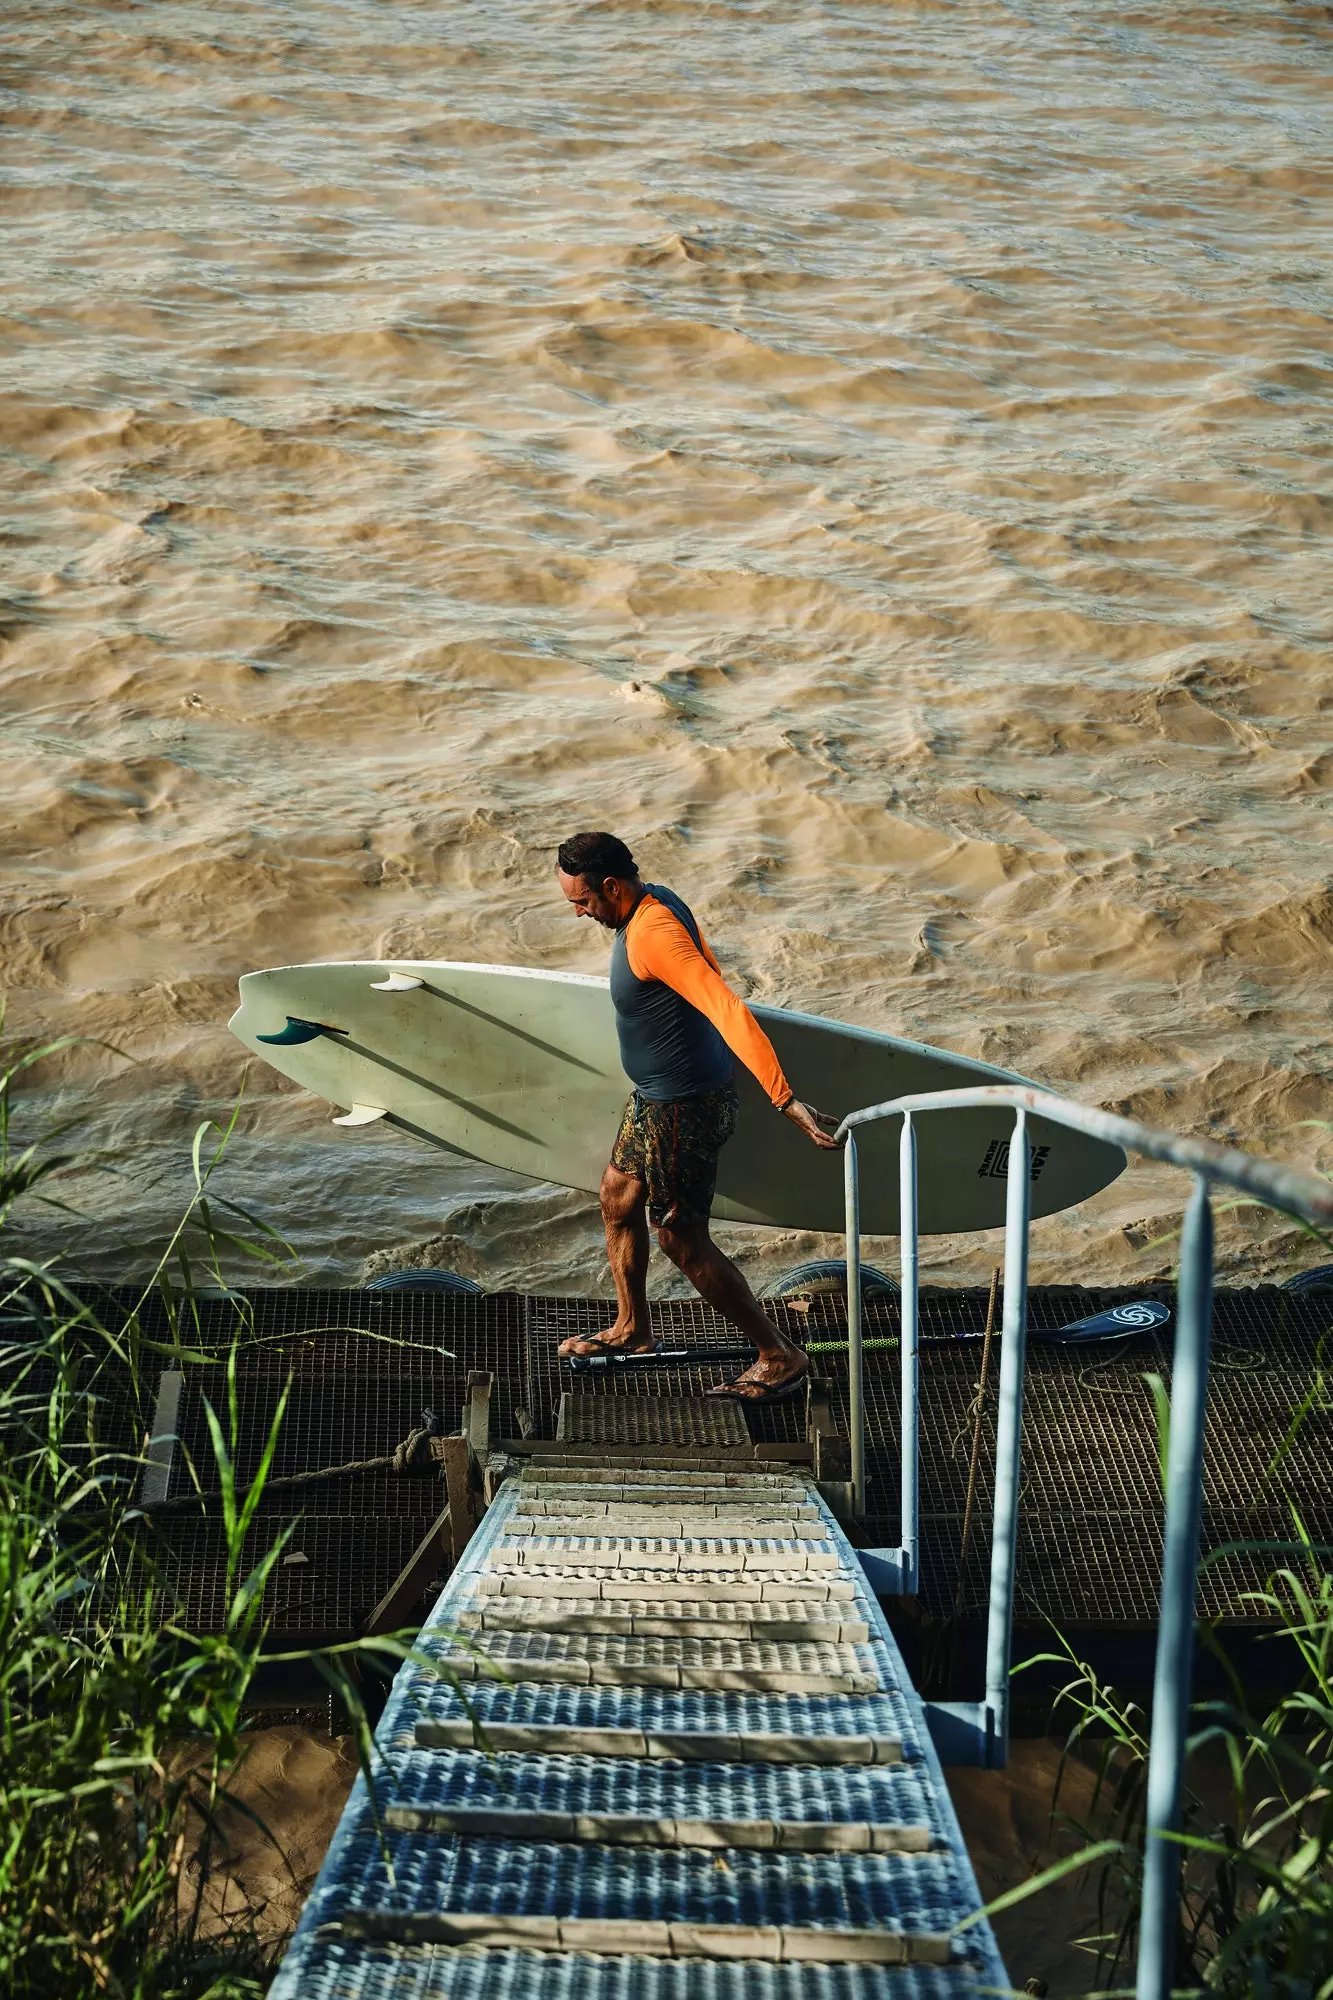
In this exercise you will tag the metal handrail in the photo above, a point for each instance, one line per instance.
(1291, 1189)
(978, 1733)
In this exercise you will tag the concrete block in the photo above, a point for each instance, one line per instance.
(754, 1834)
(447, 1927)
(616, 1936)
(687, 1592)
(481, 1822)
(791, 1631)
(900, 1840)
(696, 1746)
(624, 1830)
(779, 1749)
(812, 1836)
(819, 1947)
(565, 1673)
(689, 1628)
(929, 1948)
(533, 1739)
(641, 1673)
(546, 1614)
(727, 1941)
(578, 1585)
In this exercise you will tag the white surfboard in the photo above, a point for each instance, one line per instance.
(521, 1069)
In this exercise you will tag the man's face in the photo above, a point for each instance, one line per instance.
(591, 899)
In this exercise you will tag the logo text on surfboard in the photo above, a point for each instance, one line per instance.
(995, 1166)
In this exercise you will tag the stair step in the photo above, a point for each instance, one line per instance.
(642, 1938)
(617, 1491)
(741, 1666)
(656, 1620)
(679, 1746)
(672, 1522)
(618, 1588)
(802, 1836)
(672, 1553)
(706, 1505)
(806, 1655)
(637, 1418)
(556, 1462)
(561, 1671)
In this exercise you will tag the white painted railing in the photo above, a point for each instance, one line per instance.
(978, 1732)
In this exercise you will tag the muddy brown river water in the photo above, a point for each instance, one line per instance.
(874, 456)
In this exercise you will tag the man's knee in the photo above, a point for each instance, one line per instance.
(685, 1243)
(620, 1195)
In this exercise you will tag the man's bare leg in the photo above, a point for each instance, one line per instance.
(624, 1216)
(722, 1285)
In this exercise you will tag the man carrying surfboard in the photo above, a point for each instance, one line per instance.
(680, 1027)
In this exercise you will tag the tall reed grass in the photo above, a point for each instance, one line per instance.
(1255, 1919)
(120, 1728)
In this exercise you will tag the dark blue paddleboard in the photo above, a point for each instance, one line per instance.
(1116, 1323)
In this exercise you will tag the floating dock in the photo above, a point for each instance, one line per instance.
(364, 1365)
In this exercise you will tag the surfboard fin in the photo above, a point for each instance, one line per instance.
(397, 982)
(361, 1114)
(298, 1030)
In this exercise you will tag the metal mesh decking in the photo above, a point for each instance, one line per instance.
(644, 1418)
(365, 1365)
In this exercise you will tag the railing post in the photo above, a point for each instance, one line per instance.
(1008, 1441)
(911, 1424)
(856, 1413)
(1159, 1917)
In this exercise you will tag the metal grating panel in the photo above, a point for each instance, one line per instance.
(347, 1563)
(337, 1971)
(677, 1323)
(339, 1416)
(1090, 1529)
(638, 1418)
(667, 1710)
(364, 1365)
(503, 1876)
(495, 1877)
(886, 1794)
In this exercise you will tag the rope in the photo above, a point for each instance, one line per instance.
(979, 1411)
(401, 1459)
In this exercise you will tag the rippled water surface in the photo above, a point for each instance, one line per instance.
(875, 456)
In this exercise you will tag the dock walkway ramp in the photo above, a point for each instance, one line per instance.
(679, 1755)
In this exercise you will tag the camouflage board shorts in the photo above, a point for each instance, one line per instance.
(674, 1147)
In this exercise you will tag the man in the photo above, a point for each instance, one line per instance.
(679, 1026)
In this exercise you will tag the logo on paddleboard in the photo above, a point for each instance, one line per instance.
(1135, 1316)
(995, 1166)
(1138, 1315)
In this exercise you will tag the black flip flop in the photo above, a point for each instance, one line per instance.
(778, 1394)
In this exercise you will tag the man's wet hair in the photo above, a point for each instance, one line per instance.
(594, 856)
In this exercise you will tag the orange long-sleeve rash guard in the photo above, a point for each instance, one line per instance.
(659, 947)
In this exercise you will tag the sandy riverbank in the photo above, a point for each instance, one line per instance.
(295, 1779)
